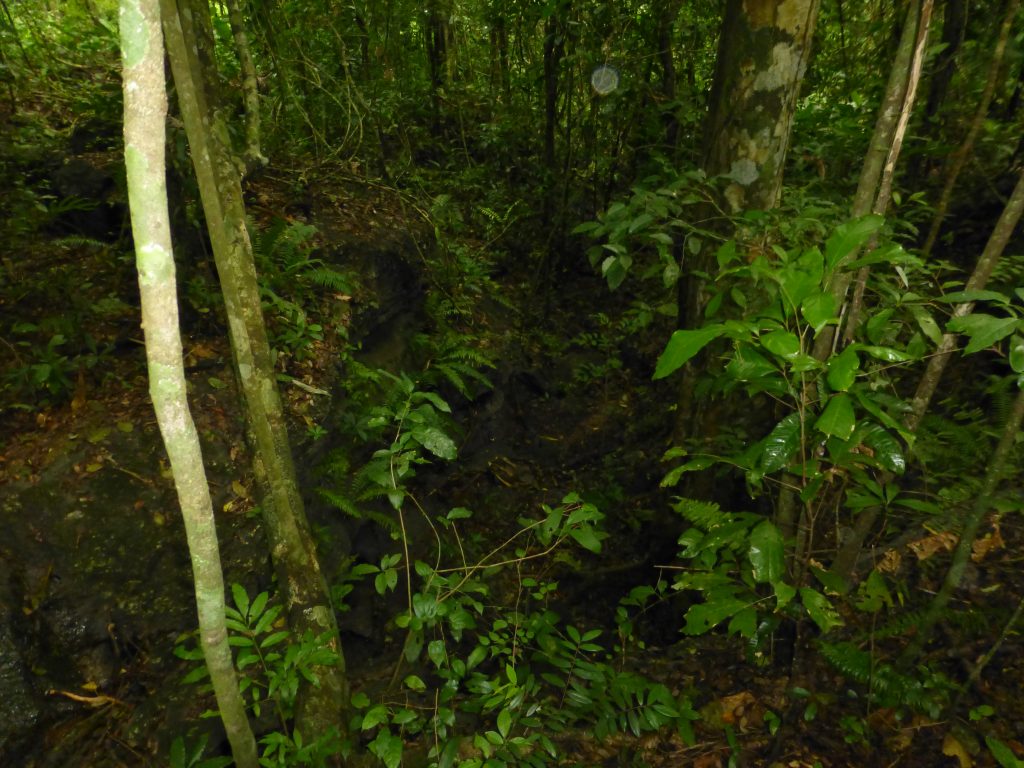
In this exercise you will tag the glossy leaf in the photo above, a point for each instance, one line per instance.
(982, 330)
(848, 237)
(887, 449)
(766, 553)
(781, 443)
(684, 345)
(927, 323)
(838, 418)
(704, 617)
(784, 344)
(842, 369)
(1017, 354)
(819, 309)
(820, 609)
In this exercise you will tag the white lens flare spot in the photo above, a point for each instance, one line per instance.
(605, 79)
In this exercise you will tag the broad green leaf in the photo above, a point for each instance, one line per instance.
(877, 325)
(682, 346)
(963, 297)
(820, 609)
(819, 309)
(744, 623)
(982, 330)
(842, 369)
(748, 364)
(726, 254)
(886, 354)
(837, 419)
(388, 748)
(587, 538)
(704, 617)
(504, 723)
(887, 449)
(784, 344)
(848, 237)
(1002, 753)
(926, 323)
(781, 443)
(784, 594)
(1017, 354)
(374, 717)
(873, 594)
(436, 441)
(766, 553)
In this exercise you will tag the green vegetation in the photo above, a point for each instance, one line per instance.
(615, 383)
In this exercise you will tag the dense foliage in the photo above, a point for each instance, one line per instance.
(817, 403)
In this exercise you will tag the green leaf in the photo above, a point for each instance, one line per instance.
(837, 419)
(926, 323)
(388, 748)
(241, 598)
(587, 538)
(1002, 753)
(744, 623)
(1017, 354)
(436, 441)
(781, 443)
(964, 297)
(504, 723)
(682, 346)
(887, 354)
(766, 553)
(848, 237)
(374, 717)
(784, 594)
(784, 344)
(888, 451)
(819, 309)
(820, 609)
(415, 683)
(703, 617)
(982, 330)
(878, 325)
(842, 369)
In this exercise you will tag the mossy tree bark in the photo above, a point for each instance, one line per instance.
(322, 707)
(145, 112)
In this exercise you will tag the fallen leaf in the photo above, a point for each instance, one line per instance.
(951, 747)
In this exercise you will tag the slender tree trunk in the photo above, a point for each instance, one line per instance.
(884, 194)
(321, 707)
(959, 158)
(962, 553)
(666, 12)
(145, 113)
(878, 153)
(846, 557)
(252, 157)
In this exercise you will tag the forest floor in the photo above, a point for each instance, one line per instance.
(97, 579)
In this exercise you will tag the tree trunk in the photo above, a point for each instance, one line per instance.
(252, 157)
(959, 158)
(320, 708)
(954, 27)
(145, 114)
(762, 56)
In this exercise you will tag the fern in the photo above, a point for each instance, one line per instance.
(705, 515)
(329, 278)
(928, 693)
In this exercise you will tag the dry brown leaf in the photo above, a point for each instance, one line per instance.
(990, 542)
(929, 545)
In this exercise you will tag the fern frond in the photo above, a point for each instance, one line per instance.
(703, 514)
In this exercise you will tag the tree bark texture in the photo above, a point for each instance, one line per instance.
(145, 113)
(300, 580)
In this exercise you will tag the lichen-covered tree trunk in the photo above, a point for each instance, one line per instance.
(762, 57)
(145, 111)
(320, 708)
